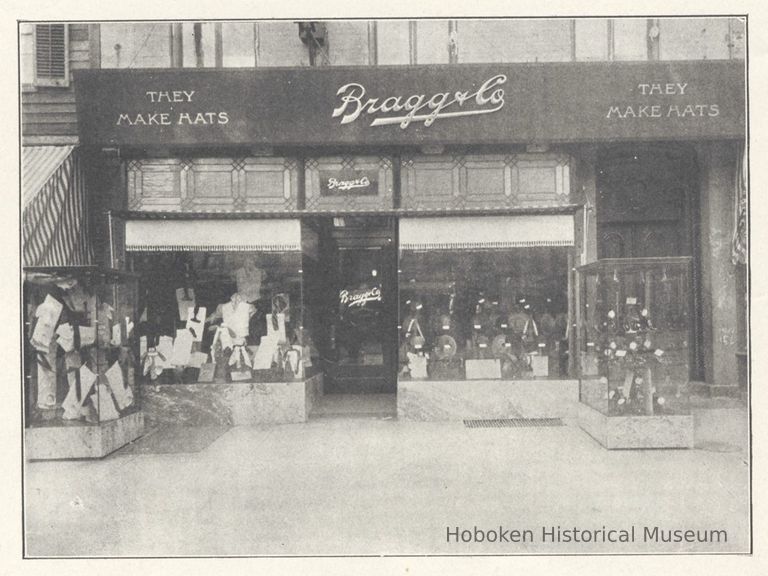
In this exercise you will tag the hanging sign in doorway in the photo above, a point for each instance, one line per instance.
(360, 297)
(349, 182)
(358, 307)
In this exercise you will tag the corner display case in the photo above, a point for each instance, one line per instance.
(634, 351)
(81, 396)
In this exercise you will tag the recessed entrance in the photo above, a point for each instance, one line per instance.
(647, 208)
(354, 292)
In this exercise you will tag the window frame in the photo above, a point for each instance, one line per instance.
(63, 82)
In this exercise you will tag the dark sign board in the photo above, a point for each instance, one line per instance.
(468, 104)
(349, 182)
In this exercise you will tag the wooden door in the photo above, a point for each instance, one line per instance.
(644, 204)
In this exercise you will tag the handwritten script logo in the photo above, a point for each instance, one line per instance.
(487, 99)
(360, 297)
(335, 184)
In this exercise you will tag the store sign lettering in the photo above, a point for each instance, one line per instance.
(359, 298)
(158, 118)
(348, 182)
(487, 99)
(652, 110)
(343, 185)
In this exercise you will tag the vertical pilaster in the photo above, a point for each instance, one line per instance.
(719, 280)
(586, 194)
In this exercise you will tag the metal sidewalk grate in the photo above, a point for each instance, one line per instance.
(514, 423)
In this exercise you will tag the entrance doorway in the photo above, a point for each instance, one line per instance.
(645, 203)
(355, 289)
(647, 207)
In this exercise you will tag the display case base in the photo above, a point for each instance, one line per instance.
(87, 441)
(431, 400)
(717, 390)
(231, 403)
(627, 432)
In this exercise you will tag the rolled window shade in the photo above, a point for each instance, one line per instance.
(268, 235)
(483, 232)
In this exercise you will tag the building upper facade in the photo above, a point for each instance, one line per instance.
(51, 52)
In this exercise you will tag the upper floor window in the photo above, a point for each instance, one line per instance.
(44, 54)
(694, 38)
(348, 42)
(514, 40)
(279, 44)
(433, 41)
(630, 39)
(136, 45)
(394, 44)
(289, 43)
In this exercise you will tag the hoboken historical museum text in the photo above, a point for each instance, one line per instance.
(571, 534)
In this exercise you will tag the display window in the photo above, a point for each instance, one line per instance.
(635, 338)
(215, 317)
(484, 313)
(80, 325)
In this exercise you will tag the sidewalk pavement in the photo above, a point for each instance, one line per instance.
(357, 486)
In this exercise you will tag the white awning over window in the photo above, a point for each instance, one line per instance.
(278, 235)
(482, 232)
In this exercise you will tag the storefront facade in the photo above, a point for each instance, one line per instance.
(231, 222)
(411, 230)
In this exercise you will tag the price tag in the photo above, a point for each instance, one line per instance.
(590, 344)
(446, 346)
(477, 326)
(446, 327)
(659, 352)
(507, 345)
(631, 300)
(542, 345)
(505, 326)
(483, 345)
(417, 346)
(621, 353)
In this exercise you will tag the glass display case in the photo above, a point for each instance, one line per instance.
(79, 346)
(634, 335)
(218, 317)
(477, 314)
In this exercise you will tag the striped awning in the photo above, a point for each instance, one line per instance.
(54, 218)
(484, 232)
(267, 235)
(740, 239)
